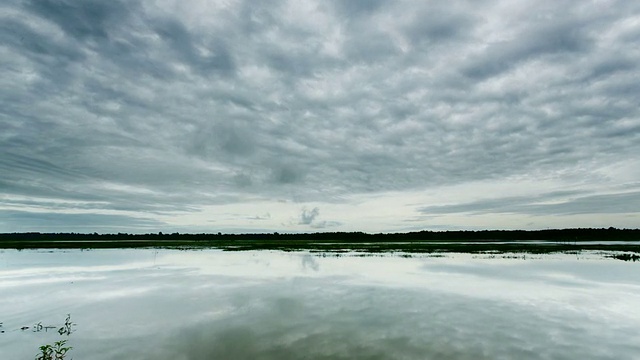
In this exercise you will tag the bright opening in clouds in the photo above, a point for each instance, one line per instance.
(244, 116)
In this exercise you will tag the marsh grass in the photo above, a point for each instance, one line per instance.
(507, 241)
(626, 257)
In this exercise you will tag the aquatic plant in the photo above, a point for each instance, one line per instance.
(58, 350)
(67, 328)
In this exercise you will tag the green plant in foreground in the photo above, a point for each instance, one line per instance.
(58, 350)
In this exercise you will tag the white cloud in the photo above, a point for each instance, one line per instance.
(233, 105)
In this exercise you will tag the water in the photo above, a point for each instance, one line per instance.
(169, 304)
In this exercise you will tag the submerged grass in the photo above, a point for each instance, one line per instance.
(625, 257)
(423, 242)
(340, 246)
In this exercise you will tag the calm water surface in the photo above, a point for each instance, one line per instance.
(166, 304)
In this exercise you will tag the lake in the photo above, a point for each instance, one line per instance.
(212, 304)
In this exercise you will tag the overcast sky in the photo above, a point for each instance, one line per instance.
(299, 116)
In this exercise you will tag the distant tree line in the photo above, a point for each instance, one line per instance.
(562, 235)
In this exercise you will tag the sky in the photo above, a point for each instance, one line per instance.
(303, 116)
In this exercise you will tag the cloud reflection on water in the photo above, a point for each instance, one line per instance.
(271, 305)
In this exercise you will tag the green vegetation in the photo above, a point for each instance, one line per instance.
(58, 350)
(626, 257)
(539, 241)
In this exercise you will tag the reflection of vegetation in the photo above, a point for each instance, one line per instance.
(499, 241)
(58, 350)
(626, 257)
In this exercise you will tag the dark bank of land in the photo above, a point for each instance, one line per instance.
(536, 241)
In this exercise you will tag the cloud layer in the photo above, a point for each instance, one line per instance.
(200, 115)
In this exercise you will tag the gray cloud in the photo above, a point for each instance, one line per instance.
(196, 106)
(19, 221)
(350, 9)
(539, 40)
(86, 20)
(307, 216)
(183, 46)
(547, 204)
